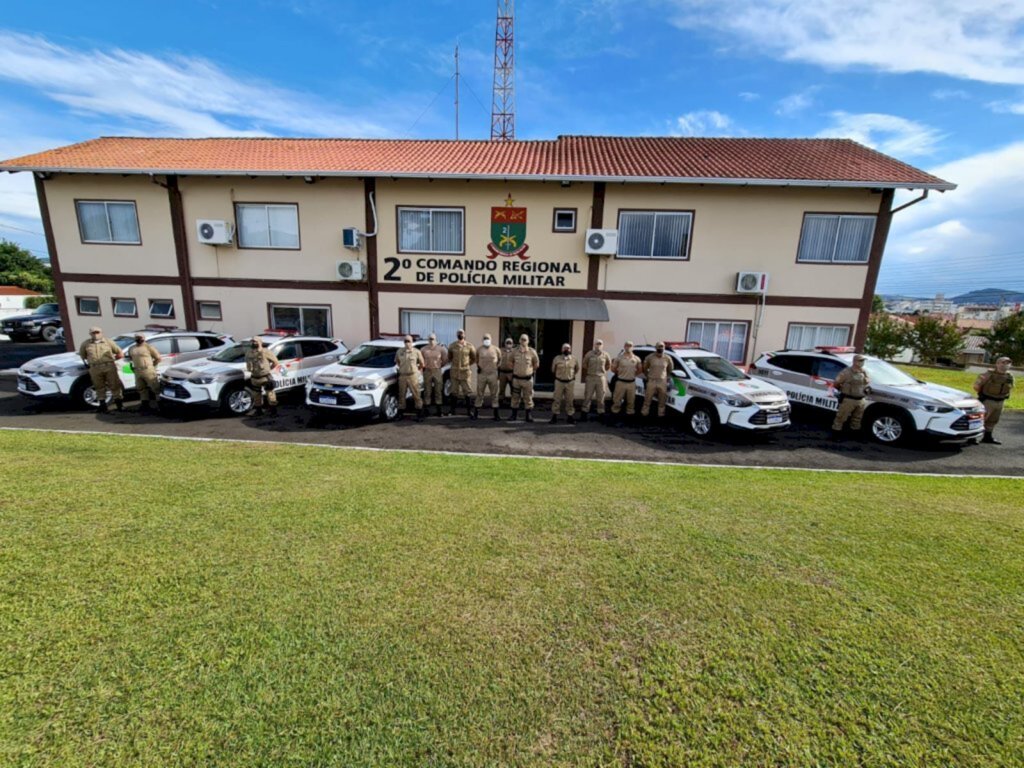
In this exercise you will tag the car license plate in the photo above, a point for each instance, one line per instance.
(167, 392)
(328, 399)
(776, 418)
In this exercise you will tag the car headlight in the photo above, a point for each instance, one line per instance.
(937, 408)
(736, 401)
(52, 373)
(202, 379)
(369, 385)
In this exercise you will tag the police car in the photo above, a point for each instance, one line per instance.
(364, 381)
(219, 381)
(712, 393)
(65, 375)
(898, 407)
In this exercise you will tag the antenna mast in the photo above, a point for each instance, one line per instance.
(503, 104)
(456, 91)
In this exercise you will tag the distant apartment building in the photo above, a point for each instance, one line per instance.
(940, 305)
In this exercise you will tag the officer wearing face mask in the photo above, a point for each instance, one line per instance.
(410, 363)
(487, 360)
(657, 369)
(260, 364)
(596, 364)
(564, 367)
(100, 355)
(462, 355)
(435, 358)
(505, 370)
(525, 363)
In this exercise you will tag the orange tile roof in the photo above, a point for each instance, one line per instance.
(13, 290)
(816, 162)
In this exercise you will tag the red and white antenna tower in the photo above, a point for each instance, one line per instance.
(503, 103)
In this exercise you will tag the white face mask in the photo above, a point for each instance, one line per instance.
(487, 342)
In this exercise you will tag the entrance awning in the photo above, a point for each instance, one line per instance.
(539, 308)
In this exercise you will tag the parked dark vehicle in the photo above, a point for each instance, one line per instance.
(42, 324)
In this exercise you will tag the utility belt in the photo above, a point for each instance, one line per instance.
(626, 381)
(596, 374)
(101, 363)
(566, 381)
(851, 397)
(505, 370)
(983, 398)
(523, 378)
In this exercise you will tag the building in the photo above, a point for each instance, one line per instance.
(492, 236)
(940, 305)
(12, 300)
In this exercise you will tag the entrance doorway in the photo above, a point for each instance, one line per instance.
(546, 336)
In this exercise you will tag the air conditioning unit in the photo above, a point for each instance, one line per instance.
(214, 232)
(350, 237)
(752, 282)
(602, 242)
(350, 270)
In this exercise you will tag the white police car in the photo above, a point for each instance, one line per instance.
(219, 381)
(899, 406)
(712, 393)
(64, 375)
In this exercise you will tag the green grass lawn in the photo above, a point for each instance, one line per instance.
(963, 380)
(195, 604)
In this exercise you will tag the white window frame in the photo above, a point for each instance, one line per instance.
(403, 320)
(840, 217)
(432, 210)
(554, 223)
(688, 215)
(161, 315)
(302, 331)
(745, 324)
(818, 329)
(109, 240)
(78, 306)
(266, 208)
(199, 309)
(135, 307)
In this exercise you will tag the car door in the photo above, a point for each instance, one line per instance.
(316, 353)
(823, 376)
(678, 384)
(289, 355)
(164, 346)
(188, 348)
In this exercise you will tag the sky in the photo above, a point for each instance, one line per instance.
(935, 83)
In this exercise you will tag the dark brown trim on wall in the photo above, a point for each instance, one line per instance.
(94, 277)
(370, 189)
(188, 299)
(594, 267)
(285, 285)
(58, 276)
(874, 265)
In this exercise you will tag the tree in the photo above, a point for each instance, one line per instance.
(877, 305)
(886, 336)
(1006, 339)
(20, 268)
(933, 339)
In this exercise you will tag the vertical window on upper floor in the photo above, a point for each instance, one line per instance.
(430, 230)
(807, 336)
(654, 234)
(108, 221)
(267, 225)
(834, 238)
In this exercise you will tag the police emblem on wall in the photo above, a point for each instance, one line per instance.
(508, 231)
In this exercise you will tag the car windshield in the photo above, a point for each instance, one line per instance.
(46, 309)
(232, 354)
(713, 369)
(370, 356)
(123, 341)
(884, 374)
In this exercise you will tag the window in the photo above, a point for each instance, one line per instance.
(423, 322)
(209, 310)
(108, 221)
(307, 320)
(654, 235)
(263, 225)
(565, 220)
(312, 348)
(828, 369)
(430, 230)
(727, 338)
(125, 308)
(163, 346)
(188, 344)
(802, 336)
(161, 308)
(829, 238)
(88, 305)
(287, 350)
(795, 363)
(209, 342)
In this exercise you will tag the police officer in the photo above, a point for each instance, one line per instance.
(100, 354)
(410, 363)
(260, 363)
(626, 368)
(596, 364)
(435, 358)
(993, 388)
(524, 365)
(462, 355)
(505, 370)
(144, 359)
(854, 385)
(488, 358)
(657, 369)
(564, 367)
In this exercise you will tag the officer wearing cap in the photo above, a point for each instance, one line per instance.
(525, 363)
(488, 358)
(410, 363)
(260, 364)
(565, 368)
(505, 370)
(993, 388)
(657, 369)
(626, 368)
(144, 359)
(462, 355)
(596, 364)
(101, 354)
(435, 358)
(853, 385)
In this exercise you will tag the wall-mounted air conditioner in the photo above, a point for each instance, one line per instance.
(350, 270)
(752, 282)
(215, 232)
(602, 242)
(350, 238)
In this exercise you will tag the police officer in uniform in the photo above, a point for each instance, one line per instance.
(505, 370)
(410, 363)
(488, 358)
(564, 367)
(260, 363)
(144, 359)
(854, 385)
(626, 368)
(596, 364)
(657, 369)
(462, 355)
(993, 388)
(435, 358)
(100, 354)
(525, 363)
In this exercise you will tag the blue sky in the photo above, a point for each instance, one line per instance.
(938, 84)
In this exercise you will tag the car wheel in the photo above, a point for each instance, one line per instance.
(446, 387)
(702, 420)
(85, 394)
(236, 401)
(889, 427)
(389, 407)
(50, 333)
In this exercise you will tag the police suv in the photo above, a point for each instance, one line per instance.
(364, 381)
(219, 381)
(898, 406)
(65, 375)
(712, 393)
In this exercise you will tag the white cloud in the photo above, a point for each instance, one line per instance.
(795, 102)
(981, 40)
(749, 96)
(703, 122)
(890, 134)
(1006, 107)
(946, 94)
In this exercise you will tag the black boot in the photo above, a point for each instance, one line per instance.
(119, 405)
(583, 415)
(515, 414)
(471, 409)
(836, 436)
(103, 409)
(146, 407)
(988, 438)
(571, 419)
(529, 414)
(496, 416)
(554, 418)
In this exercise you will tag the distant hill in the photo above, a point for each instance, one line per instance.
(989, 296)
